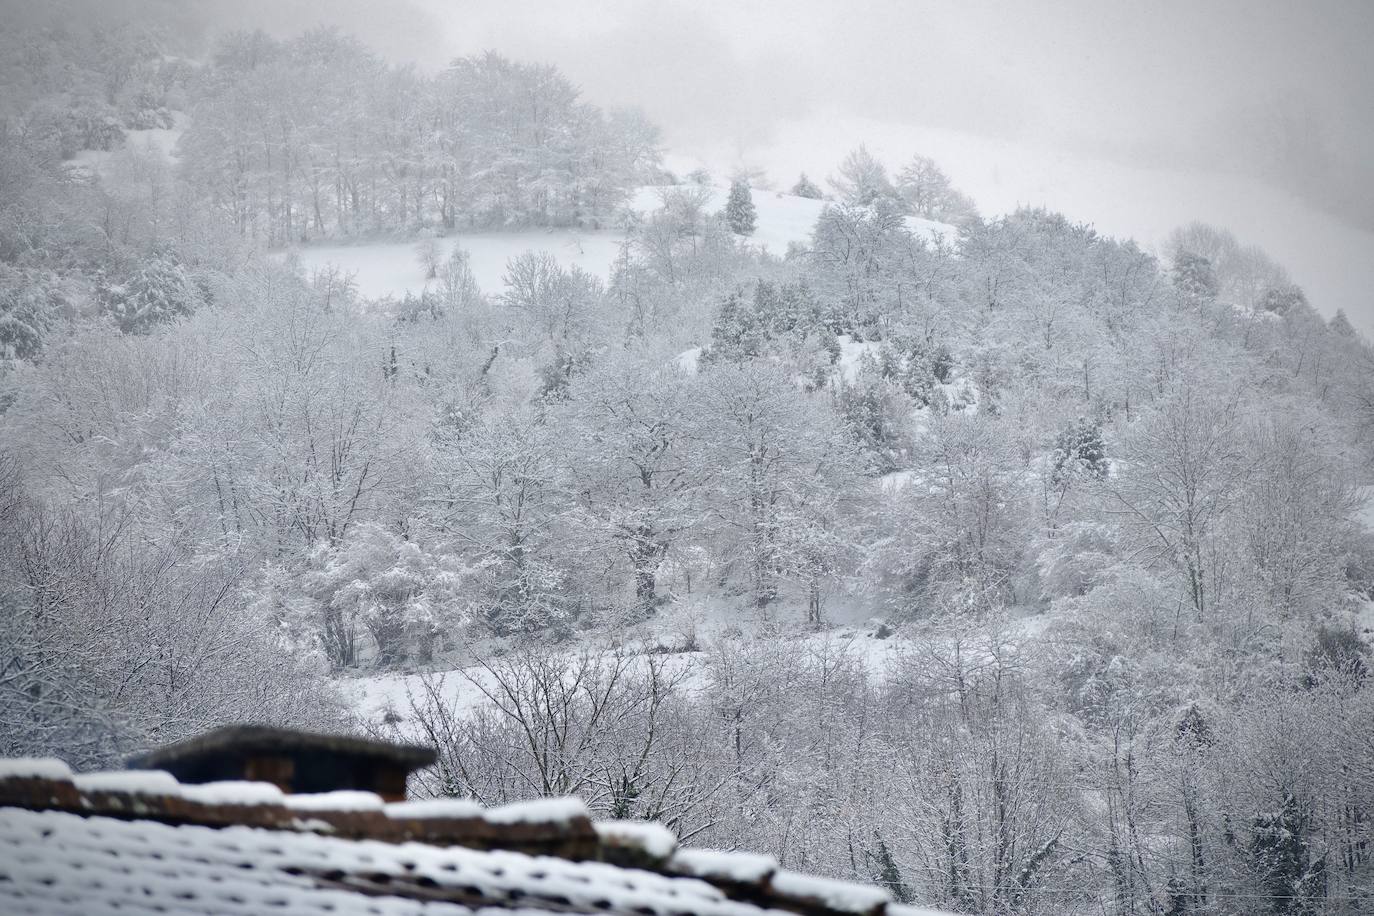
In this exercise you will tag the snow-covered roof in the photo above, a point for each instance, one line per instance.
(141, 842)
(249, 739)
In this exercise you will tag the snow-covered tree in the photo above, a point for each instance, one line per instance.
(862, 180)
(1185, 465)
(401, 594)
(776, 451)
(807, 188)
(503, 499)
(31, 304)
(633, 441)
(159, 291)
(929, 193)
(740, 214)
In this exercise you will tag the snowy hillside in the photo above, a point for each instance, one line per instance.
(783, 219)
(383, 269)
(393, 268)
(391, 698)
(159, 141)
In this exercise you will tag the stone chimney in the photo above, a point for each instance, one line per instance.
(294, 761)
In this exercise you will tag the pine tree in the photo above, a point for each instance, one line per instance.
(736, 334)
(1195, 277)
(159, 291)
(1282, 299)
(805, 187)
(739, 209)
(1290, 867)
(30, 302)
(1080, 448)
(1341, 324)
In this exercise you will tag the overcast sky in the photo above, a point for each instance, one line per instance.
(1166, 81)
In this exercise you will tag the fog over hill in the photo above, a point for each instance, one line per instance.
(1253, 116)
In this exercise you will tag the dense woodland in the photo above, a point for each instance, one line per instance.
(1105, 504)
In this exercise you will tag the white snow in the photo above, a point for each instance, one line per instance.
(159, 140)
(540, 810)
(1365, 513)
(1328, 256)
(52, 862)
(383, 269)
(689, 360)
(34, 768)
(852, 353)
(422, 809)
(740, 867)
(341, 800)
(233, 792)
(932, 230)
(838, 895)
(376, 698)
(655, 839)
(895, 481)
(134, 782)
(1364, 618)
(783, 219)
(381, 697)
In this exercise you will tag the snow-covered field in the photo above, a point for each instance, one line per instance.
(381, 699)
(393, 268)
(390, 697)
(383, 269)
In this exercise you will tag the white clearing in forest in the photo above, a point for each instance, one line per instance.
(383, 269)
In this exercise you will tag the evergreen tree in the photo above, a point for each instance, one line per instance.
(1282, 299)
(30, 302)
(1290, 869)
(1341, 324)
(736, 334)
(1195, 277)
(1080, 448)
(805, 187)
(158, 292)
(873, 420)
(740, 214)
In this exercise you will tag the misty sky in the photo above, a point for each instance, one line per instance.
(1213, 83)
(1256, 114)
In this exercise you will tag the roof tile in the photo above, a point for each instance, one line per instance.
(142, 842)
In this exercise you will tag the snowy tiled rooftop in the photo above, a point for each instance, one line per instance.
(143, 843)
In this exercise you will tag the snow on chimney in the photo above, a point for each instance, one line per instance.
(294, 761)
